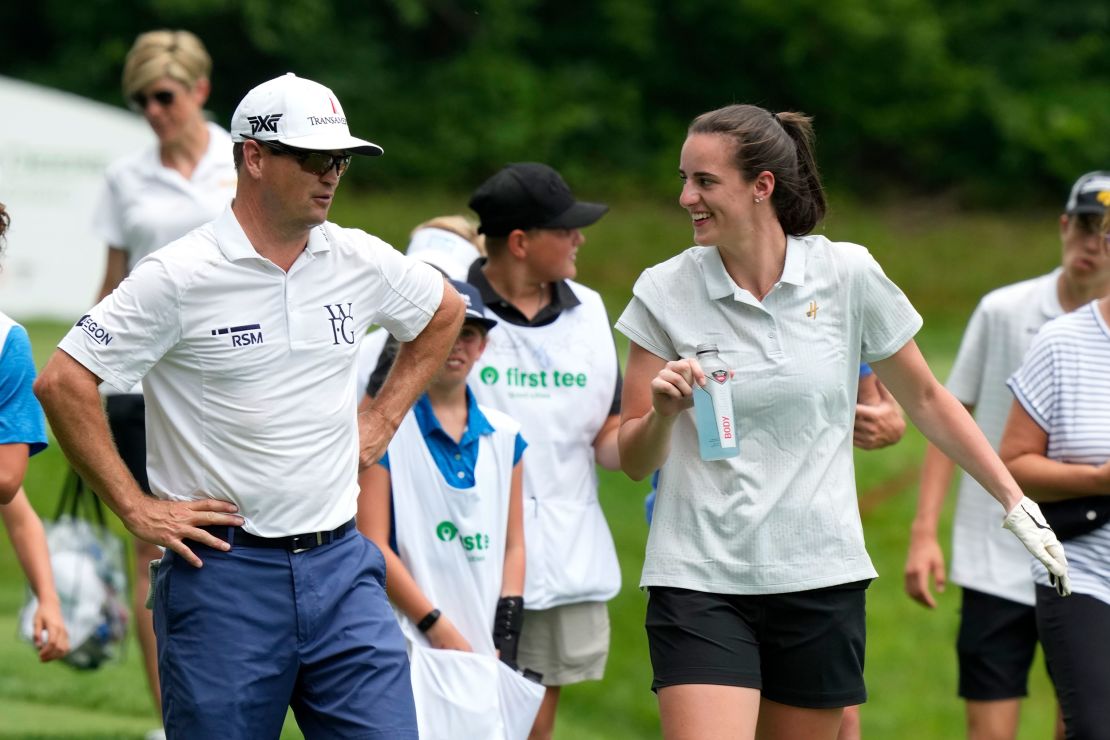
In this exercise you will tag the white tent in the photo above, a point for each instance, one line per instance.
(54, 148)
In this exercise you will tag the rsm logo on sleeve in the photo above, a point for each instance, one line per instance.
(96, 332)
(241, 336)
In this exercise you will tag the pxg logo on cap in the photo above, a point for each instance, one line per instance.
(299, 113)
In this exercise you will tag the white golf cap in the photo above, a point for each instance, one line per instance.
(443, 249)
(299, 113)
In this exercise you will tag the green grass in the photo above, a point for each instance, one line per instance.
(944, 260)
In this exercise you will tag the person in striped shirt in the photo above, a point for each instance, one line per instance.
(1057, 446)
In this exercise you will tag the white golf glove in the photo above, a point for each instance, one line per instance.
(1028, 523)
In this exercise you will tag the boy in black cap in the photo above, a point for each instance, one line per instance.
(551, 364)
(998, 626)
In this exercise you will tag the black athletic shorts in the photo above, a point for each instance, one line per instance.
(802, 649)
(127, 420)
(1075, 634)
(995, 647)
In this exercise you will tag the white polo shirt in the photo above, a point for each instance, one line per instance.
(986, 557)
(145, 205)
(250, 370)
(782, 516)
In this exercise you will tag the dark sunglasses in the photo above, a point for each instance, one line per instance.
(164, 98)
(312, 162)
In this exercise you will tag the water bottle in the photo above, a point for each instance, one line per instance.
(713, 413)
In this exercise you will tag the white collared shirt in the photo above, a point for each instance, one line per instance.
(250, 370)
(782, 515)
(145, 205)
(986, 557)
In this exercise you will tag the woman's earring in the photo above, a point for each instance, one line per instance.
(758, 200)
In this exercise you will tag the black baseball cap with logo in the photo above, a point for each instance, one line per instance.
(1090, 194)
(530, 195)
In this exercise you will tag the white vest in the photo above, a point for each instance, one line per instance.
(6, 324)
(557, 381)
(452, 541)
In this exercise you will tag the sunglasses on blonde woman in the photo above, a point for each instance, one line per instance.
(139, 101)
(312, 162)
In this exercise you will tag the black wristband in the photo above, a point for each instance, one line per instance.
(428, 621)
(507, 623)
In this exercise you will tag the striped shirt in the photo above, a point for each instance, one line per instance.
(1064, 386)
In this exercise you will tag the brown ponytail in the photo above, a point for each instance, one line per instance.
(781, 144)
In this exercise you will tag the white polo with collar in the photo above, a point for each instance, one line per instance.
(250, 370)
(782, 516)
(986, 557)
(145, 205)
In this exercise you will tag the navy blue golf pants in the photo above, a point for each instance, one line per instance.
(257, 630)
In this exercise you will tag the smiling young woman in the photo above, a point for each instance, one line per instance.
(747, 553)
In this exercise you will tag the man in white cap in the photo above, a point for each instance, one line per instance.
(246, 331)
(998, 623)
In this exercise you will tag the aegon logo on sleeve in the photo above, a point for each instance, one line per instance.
(96, 332)
(472, 544)
(517, 378)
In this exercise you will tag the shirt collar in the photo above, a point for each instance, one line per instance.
(562, 296)
(719, 285)
(1050, 296)
(235, 245)
(476, 422)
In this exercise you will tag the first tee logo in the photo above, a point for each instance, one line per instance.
(96, 332)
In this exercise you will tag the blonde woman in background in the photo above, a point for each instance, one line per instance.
(149, 199)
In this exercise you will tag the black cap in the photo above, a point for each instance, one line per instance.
(1090, 194)
(530, 195)
(475, 306)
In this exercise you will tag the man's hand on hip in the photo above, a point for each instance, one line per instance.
(169, 523)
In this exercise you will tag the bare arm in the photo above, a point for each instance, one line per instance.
(945, 422)
(375, 507)
(1023, 449)
(13, 466)
(416, 362)
(655, 391)
(29, 542)
(114, 273)
(926, 558)
(879, 421)
(512, 575)
(606, 444)
(68, 393)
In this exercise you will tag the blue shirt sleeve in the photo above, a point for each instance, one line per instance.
(21, 417)
(865, 370)
(384, 462)
(519, 449)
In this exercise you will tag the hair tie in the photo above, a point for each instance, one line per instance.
(775, 116)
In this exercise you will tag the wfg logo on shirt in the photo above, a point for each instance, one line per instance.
(96, 332)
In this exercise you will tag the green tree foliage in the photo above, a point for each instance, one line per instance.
(998, 98)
